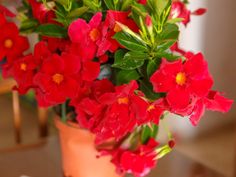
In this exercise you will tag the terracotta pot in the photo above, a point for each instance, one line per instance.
(79, 153)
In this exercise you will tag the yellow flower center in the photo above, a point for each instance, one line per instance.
(8, 43)
(57, 78)
(124, 100)
(117, 28)
(94, 34)
(180, 78)
(23, 66)
(151, 107)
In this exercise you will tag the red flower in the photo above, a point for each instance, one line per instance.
(179, 10)
(11, 43)
(118, 114)
(56, 78)
(23, 73)
(88, 37)
(41, 13)
(183, 81)
(214, 101)
(138, 162)
(112, 27)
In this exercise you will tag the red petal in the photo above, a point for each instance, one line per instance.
(201, 87)
(171, 68)
(78, 30)
(70, 87)
(96, 20)
(72, 63)
(196, 66)
(162, 82)
(90, 70)
(197, 113)
(178, 99)
(53, 65)
(199, 11)
(216, 102)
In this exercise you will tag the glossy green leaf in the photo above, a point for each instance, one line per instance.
(109, 4)
(170, 32)
(147, 89)
(152, 66)
(51, 30)
(29, 24)
(77, 12)
(125, 76)
(148, 132)
(130, 42)
(136, 55)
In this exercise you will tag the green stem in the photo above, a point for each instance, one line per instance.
(63, 112)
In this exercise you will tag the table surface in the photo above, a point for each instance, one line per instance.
(44, 161)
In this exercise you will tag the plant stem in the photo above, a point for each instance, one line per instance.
(63, 112)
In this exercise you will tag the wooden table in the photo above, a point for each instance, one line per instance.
(44, 161)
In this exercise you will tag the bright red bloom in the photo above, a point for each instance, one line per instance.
(182, 81)
(88, 37)
(214, 101)
(41, 13)
(118, 116)
(112, 27)
(179, 10)
(23, 72)
(138, 162)
(56, 78)
(11, 43)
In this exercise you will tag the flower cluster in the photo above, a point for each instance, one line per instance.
(116, 73)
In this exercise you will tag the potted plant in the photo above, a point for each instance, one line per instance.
(112, 70)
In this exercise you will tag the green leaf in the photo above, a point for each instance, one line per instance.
(119, 55)
(149, 132)
(109, 4)
(62, 2)
(170, 32)
(167, 54)
(77, 12)
(125, 76)
(175, 20)
(126, 4)
(51, 30)
(128, 64)
(130, 42)
(130, 60)
(147, 89)
(152, 67)
(28, 25)
(146, 132)
(136, 55)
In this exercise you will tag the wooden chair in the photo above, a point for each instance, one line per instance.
(6, 87)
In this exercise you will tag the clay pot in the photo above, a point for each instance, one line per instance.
(79, 155)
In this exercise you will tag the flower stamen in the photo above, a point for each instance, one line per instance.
(181, 78)
(58, 78)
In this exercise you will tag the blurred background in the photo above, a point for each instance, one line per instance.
(212, 142)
